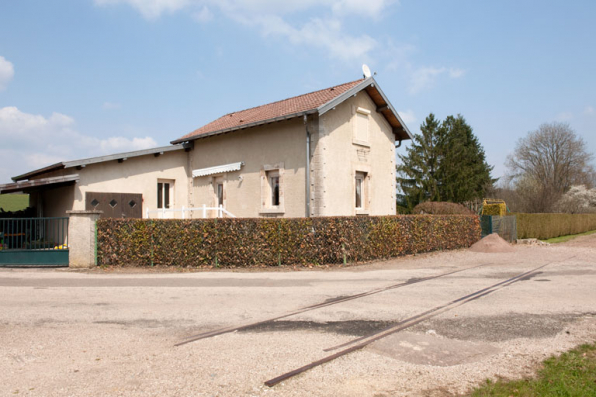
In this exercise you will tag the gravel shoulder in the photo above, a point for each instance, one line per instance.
(67, 333)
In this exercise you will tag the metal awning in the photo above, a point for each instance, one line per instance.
(24, 186)
(218, 169)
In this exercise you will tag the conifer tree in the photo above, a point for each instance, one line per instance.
(418, 168)
(444, 163)
(463, 173)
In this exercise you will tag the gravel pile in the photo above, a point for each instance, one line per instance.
(492, 243)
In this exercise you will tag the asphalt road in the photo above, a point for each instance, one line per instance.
(95, 333)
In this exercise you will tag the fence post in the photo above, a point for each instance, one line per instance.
(147, 213)
(81, 238)
(220, 212)
(204, 211)
(183, 217)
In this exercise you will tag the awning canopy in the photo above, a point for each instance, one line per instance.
(25, 186)
(218, 169)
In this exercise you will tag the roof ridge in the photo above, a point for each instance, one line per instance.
(292, 97)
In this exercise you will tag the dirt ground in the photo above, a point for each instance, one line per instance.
(67, 333)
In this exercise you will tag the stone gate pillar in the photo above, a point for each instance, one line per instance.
(81, 238)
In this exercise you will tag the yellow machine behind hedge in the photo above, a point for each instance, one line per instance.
(494, 207)
(494, 219)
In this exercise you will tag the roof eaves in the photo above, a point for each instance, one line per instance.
(118, 156)
(244, 126)
(93, 160)
(324, 108)
(22, 185)
(405, 127)
(53, 167)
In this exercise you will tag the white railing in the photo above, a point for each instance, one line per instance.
(171, 213)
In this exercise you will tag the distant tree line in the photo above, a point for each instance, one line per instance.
(550, 170)
(445, 162)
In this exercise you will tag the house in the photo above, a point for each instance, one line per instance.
(326, 153)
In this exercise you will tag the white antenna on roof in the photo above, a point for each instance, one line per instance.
(366, 71)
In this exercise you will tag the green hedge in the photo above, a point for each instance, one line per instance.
(271, 242)
(545, 226)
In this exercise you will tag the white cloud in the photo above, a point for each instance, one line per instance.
(6, 72)
(408, 116)
(424, 78)
(111, 106)
(31, 141)
(203, 15)
(456, 73)
(589, 110)
(150, 9)
(371, 8)
(564, 116)
(325, 32)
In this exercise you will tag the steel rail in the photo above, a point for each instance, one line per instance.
(334, 301)
(368, 339)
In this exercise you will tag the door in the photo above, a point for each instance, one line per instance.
(115, 205)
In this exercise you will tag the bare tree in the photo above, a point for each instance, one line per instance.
(546, 163)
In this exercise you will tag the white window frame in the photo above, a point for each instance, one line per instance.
(216, 181)
(268, 172)
(170, 196)
(362, 177)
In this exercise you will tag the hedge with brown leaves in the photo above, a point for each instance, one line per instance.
(274, 242)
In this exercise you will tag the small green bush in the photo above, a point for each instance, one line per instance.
(272, 242)
(545, 226)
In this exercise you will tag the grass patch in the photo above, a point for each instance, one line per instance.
(14, 202)
(563, 239)
(571, 374)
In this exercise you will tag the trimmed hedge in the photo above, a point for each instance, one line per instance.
(545, 226)
(273, 242)
(441, 208)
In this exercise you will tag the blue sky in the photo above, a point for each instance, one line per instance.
(81, 78)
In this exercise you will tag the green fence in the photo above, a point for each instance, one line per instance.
(504, 226)
(34, 241)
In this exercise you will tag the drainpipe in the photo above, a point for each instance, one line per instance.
(307, 167)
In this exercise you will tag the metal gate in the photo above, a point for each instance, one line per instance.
(33, 242)
(504, 226)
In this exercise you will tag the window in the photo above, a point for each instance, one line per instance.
(273, 177)
(220, 198)
(361, 127)
(219, 191)
(360, 177)
(272, 190)
(163, 194)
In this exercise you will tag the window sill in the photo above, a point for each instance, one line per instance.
(362, 212)
(269, 211)
(360, 143)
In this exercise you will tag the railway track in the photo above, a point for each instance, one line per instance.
(327, 303)
(361, 342)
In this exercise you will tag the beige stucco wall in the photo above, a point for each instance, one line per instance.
(341, 158)
(134, 175)
(282, 143)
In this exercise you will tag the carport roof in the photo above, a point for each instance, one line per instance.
(25, 186)
(93, 160)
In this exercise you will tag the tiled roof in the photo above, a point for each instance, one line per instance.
(286, 107)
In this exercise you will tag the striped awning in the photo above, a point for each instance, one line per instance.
(218, 169)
